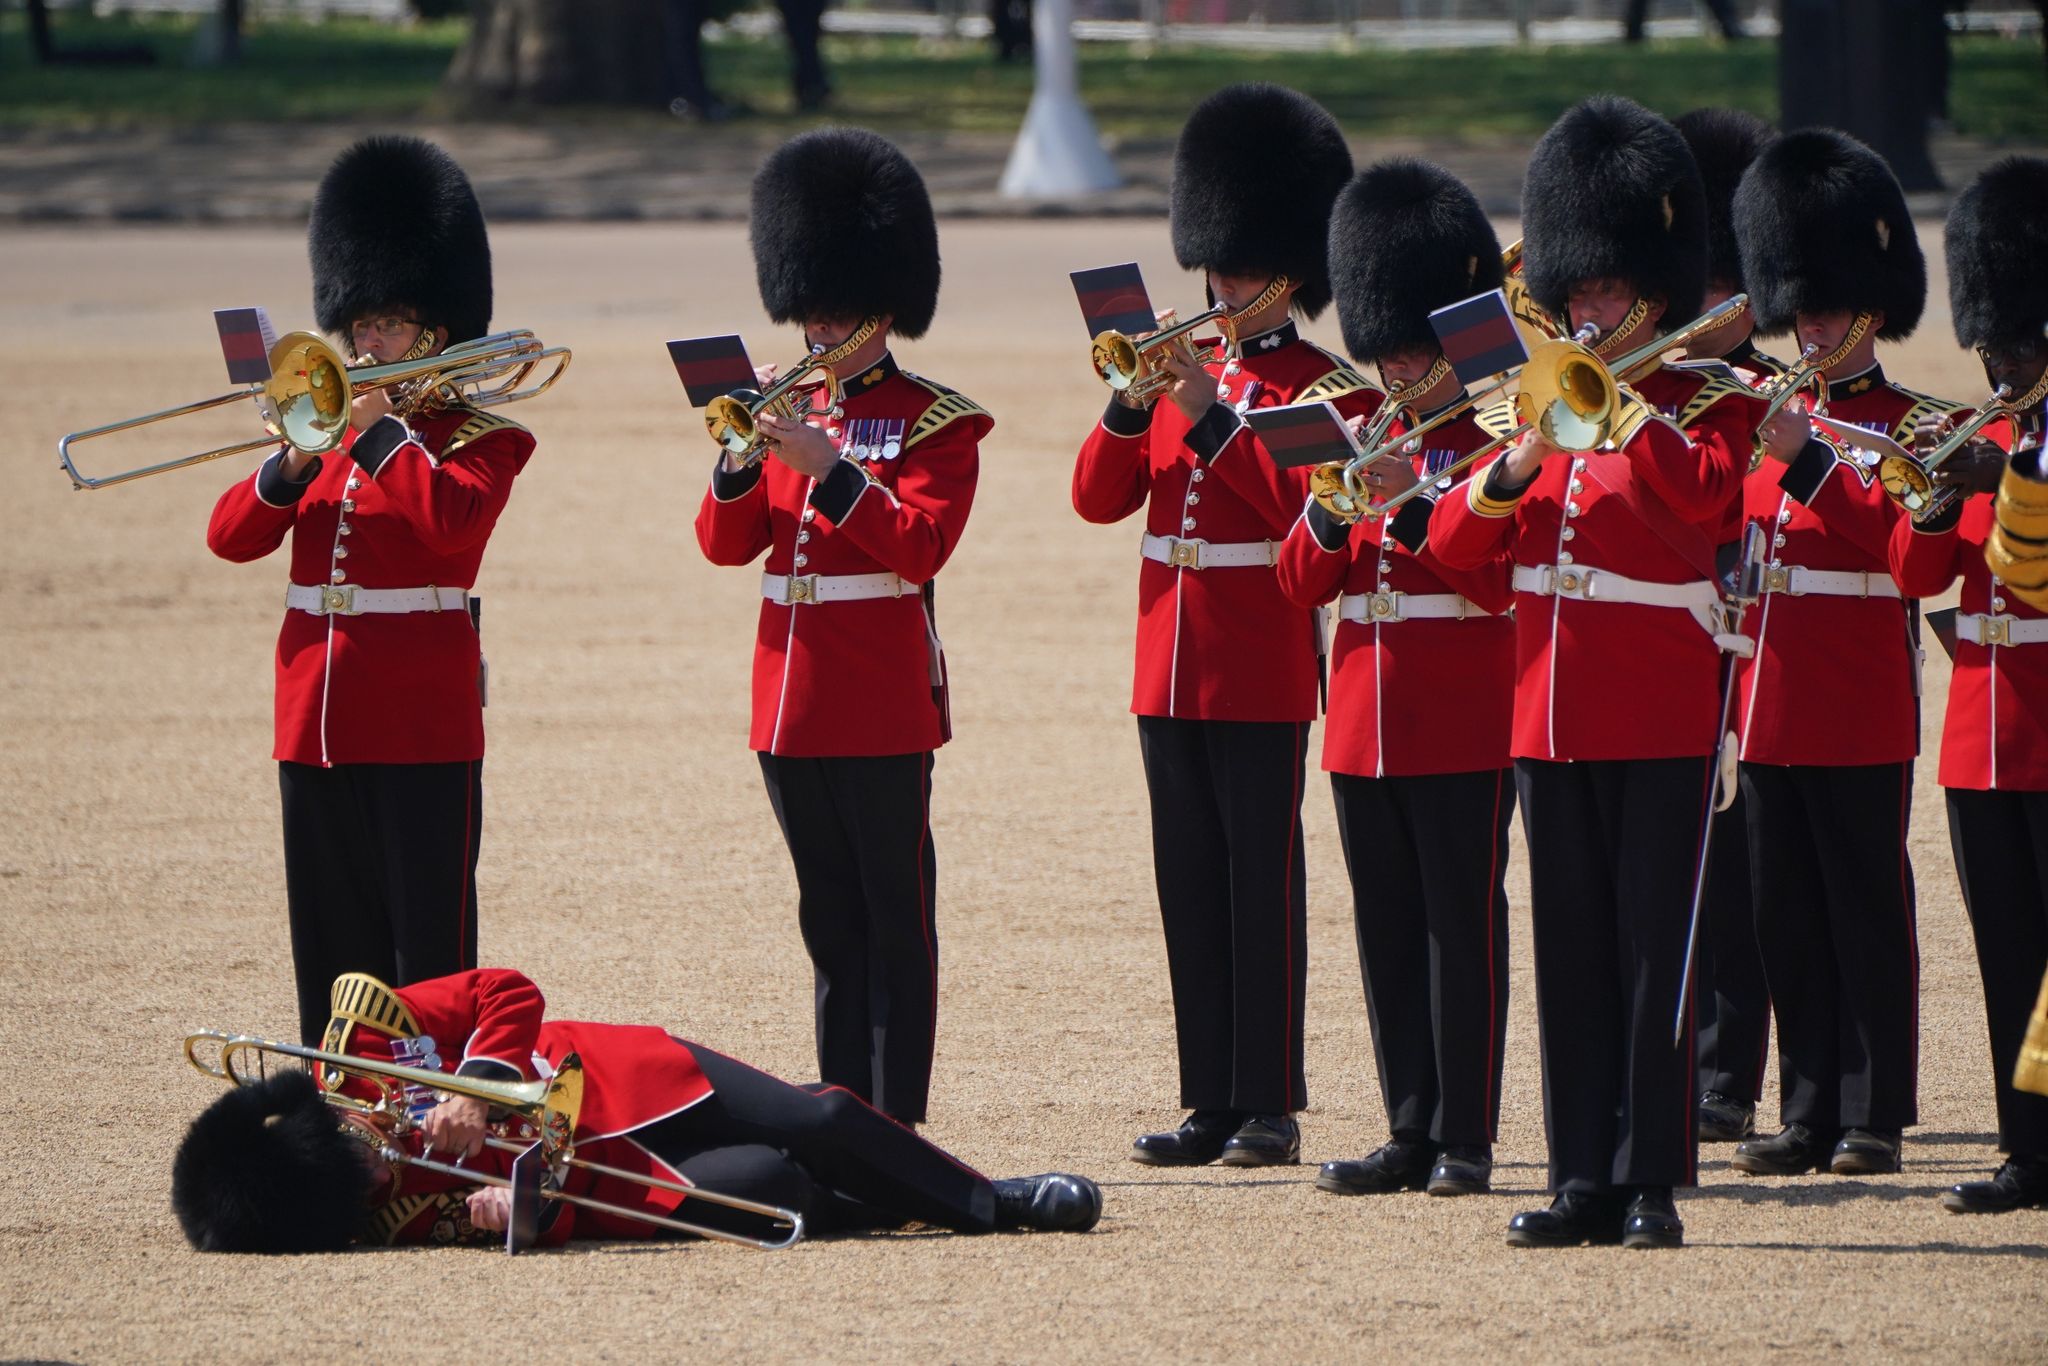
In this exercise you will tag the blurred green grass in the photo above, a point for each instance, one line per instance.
(343, 70)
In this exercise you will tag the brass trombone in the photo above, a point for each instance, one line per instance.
(1568, 393)
(1910, 479)
(1135, 367)
(541, 1112)
(305, 402)
(732, 419)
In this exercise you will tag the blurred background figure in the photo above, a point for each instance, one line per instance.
(1723, 12)
(1009, 24)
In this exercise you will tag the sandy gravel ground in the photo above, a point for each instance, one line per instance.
(631, 865)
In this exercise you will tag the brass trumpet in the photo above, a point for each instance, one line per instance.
(542, 1112)
(1910, 479)
(305, 402)
(1136, 366)
(732, 418)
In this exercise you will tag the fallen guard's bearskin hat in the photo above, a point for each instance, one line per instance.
(1724, 142)
(1406, 239)
(1998, 255)
(1254, 176)
(842, 228)
(266, 1168)
(1823, 226)
(395, 226)
(1612, 193)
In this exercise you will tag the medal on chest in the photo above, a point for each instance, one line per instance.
(871, 439)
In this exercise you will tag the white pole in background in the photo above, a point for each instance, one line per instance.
(1057, 150)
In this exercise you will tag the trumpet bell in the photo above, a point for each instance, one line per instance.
(1568, 395)
(1907, 482)
(730, 419)
(1116, 359)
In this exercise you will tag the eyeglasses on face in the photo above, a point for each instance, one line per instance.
(387, 328)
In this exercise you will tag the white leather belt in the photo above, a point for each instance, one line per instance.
(1368, 608)
(350, 600)
(790, 589)
(1599, 585)
(1979, 629)
(1200, 554)
(1796, 580)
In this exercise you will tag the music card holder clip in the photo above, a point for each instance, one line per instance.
(711, 367)
(1299, 434)
(529, 1172)
(1113, 299)
(1479, 337)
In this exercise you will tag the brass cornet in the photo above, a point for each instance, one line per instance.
(542, 1112)
(1136, 366)
(305, 402)
(732, 418)
(1910, 479)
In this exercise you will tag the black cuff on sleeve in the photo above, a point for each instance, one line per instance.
(488, 1069)
(838, 491)
(727, 485)
(1497, 486)
(280, 492)
(1410, 523)
(1331, 532)
(1208, 437)
(1943, 521)
(375, 443)
(1121, 419)
(1802, 478)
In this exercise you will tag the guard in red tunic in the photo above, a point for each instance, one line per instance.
(380, 736)
(1422, 686)
(1617, 696)
(1994, 745)
(267, 1169)
(857, 510)
(1830, 252)
(1227, 666)
(1732, 1003)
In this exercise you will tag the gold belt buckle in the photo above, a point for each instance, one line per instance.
(1997, 630)
(1186, 555)
(1568, 581)
(802, 588)
(338, 600)
(1384, 606)
(1777, 579)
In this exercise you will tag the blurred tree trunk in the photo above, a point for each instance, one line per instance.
(1863, 66)
(39, 31)
(562, 51)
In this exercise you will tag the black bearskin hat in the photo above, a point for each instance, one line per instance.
(1612, 192)
(1998, 254)
(1406, 238)
(1823, 226)
(1254, 176)
(266, 1168)
(395, 226)
(1723, 142)
(842, 227)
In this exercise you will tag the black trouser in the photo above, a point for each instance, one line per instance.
(1731, 1001)
(1612, 847)
(819, 1150)
(859, 833)
(2000, 841)
(379, 874)
(1227, 856)
(1834, 917)
(801, 20)
(1428, 859)
(1722, 10)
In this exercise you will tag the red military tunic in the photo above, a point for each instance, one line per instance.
(1995, 735)
(855, 677)
(1429, 695)
(1614, 680)
(381, 688)
(1219, 643)
(489, 1022)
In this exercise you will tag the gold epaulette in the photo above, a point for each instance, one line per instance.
(2030, 1072)
(2017, 548)
(477, 425)
(387, 1221)
(949, 406)
(1924, 405)
(1716, 388)
(1339, 382)
(1498, 419)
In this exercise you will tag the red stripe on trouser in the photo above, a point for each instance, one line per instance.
(1492, 988)
(1287, 919)
(468, 960)
(1912, 924)
(927, 913)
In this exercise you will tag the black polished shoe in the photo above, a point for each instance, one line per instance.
(1792, 1150)
(1462, 1171)
(1264, 1141)
(1724, 1119)
(1402, 1165)
(1197, 1142)
(2020, 1183)
(1052, 1203)
(1652, 1220)
(1571, 1221)
(1866, 1152)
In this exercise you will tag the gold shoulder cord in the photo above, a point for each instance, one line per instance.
(358, 998)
